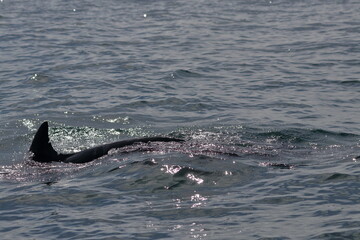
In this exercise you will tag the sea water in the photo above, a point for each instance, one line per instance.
(264, 93)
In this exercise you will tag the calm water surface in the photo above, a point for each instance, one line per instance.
(265, 93)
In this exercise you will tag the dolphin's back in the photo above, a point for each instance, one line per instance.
(42, 150)
(99, 151)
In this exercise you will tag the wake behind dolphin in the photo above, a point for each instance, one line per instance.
(42, 150)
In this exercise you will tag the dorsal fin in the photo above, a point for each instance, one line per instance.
(41, 147)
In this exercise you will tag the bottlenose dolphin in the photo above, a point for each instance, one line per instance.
(41, 149)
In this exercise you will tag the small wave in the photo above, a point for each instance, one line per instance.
(173, 103)
(288, 135)
(346, 234)
(336, 177)
(182, 74)
(38, 78)
(352, 83)
(297, 136)
(278, 165)
(336, 134)
(30, 171)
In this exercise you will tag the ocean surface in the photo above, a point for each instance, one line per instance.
(266, 95)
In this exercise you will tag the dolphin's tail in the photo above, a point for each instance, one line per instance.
(41, 148)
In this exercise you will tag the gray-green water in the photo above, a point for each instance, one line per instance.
(266, 94)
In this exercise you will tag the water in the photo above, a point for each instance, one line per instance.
(265, 93)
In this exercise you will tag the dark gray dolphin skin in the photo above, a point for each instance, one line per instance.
(42, 150)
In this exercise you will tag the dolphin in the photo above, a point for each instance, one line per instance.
(41, 149)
